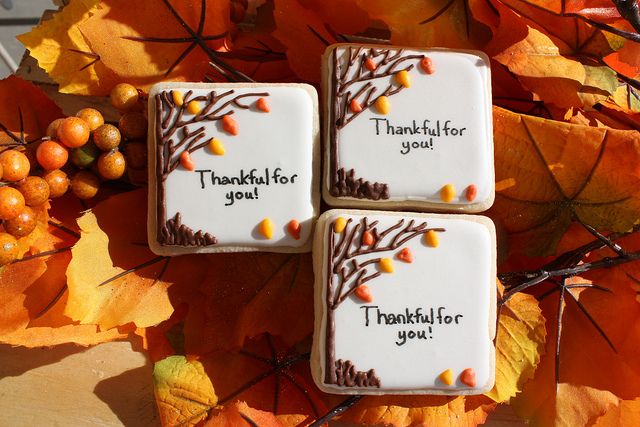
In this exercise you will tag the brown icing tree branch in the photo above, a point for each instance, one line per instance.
(343, 264)
(173, 137)
(350, 70)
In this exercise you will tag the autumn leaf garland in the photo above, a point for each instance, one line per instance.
(566, 184)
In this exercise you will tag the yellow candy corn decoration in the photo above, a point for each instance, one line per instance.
(446, 377)
(216, 147)
(431, 239)
(386, 265)
(194, 107)
(339, 224)
(178, 98)
(266, 228)
(447, 193)
(382, 105)
(403, 78)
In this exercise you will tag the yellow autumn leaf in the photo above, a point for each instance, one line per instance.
(184, 393)
(572, 405)
(63, 52)
(519, 345)
(142, 300)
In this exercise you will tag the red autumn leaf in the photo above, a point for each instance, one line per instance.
(245, 295)
(307, 27)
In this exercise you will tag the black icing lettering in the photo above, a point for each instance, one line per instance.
(402, 338)
(202, 172)
(378, 124)
(405, 148)
(366, 313)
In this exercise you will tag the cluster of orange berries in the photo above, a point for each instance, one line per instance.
(94, 148)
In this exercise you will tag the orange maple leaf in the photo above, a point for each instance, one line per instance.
(239, 414)
(593, 325)
(557, 56)
(550, 173)
(268, 376)
(420, 410)
(625, 414)
(34, 294)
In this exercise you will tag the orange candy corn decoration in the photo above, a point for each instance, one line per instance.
(403, 78)
(186, 161)
(431, 239)
(216, 147)
(178, 98)
(266, 228)
(230, 125)
(339, 224)
(447, 193)
(369, 64)
(382, 105)
(367, 238)
(363, 293)
(427, 65)
(262, 105)
(471, 192)
(386, 265)
(468, 377)
(405, 255)
(293, 228)
(194, 107)
(446, 377)
(355, 106)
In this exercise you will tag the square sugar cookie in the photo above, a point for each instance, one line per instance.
(405, 303)
(407, 128)
(232, 167)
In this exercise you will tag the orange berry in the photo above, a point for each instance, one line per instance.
(124, 96)
(85, 185)
(92, 116)
(133, 125)
(74, 132)
(111, 165)
(107, 137)
(136, 155)
(57, 181)
(35, 190)
(51, 155)
(11, 203)
(23, 224)
(52, 129)
(8, 248)
(15, 165)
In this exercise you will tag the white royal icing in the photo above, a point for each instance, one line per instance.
(456, 280)
(276, 147)
(453, 104)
